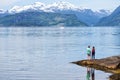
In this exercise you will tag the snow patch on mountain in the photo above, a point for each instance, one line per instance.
(2, 11)
(15, 9)
(56, 6)
(62, 6)
(38, 6)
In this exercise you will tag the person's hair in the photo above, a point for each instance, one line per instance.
(93, 47)
(89, 46)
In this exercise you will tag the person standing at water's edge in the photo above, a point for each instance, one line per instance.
(89, 52)
(93, 52)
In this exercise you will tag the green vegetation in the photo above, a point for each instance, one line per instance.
(110, 21)
(40, 19)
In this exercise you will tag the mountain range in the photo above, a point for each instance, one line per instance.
(84, 15)
(111, 20)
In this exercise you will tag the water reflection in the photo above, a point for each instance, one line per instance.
(90, 74)
(25, 52)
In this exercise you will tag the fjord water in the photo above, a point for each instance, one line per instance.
(36, 53)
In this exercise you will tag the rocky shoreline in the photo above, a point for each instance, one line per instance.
(109, 64)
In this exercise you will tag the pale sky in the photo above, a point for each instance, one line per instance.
(92, 4)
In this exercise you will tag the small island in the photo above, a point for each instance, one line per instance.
(109, 64)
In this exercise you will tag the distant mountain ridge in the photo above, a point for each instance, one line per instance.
(2, 11)
(87, 16)
(111, 20)
(40, 19)
(38, 6)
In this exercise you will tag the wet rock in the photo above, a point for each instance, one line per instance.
(109, 64)
(115, 77)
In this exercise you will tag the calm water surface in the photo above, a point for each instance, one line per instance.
(45, 53)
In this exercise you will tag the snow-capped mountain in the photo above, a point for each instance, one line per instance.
(36, 6)
(112, 20)
(57, 6)
(102, 12)
(86, 15)
(61, 6)
(2, 11)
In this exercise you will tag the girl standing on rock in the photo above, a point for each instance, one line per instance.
(89, 52)
(93, 52)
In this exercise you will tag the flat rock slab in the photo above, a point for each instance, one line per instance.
(109, 64)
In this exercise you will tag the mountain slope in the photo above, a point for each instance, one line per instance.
(87, 16)
(40, 19)
(38, 6)
(2, 11)
(111, 20)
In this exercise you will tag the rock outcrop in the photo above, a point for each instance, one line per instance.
(109, 64)
(115, 77)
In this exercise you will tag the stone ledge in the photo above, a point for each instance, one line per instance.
(109, 64)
